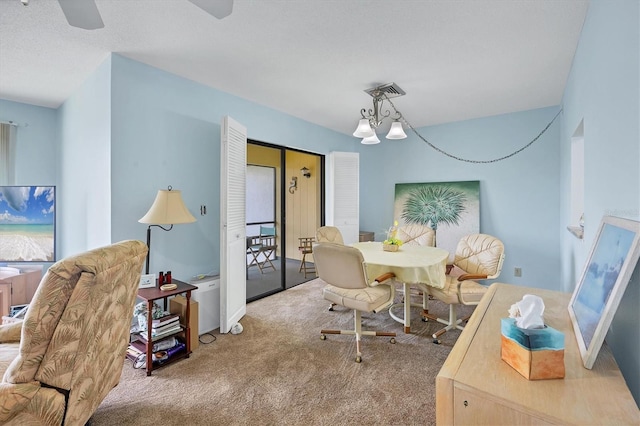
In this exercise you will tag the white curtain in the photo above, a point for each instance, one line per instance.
(7, 153)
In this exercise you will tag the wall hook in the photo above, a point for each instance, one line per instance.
(293, 185)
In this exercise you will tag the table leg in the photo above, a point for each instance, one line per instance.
(149, 340)
(187, 323)
(407, 307)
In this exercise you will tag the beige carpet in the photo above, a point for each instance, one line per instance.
(279, 372)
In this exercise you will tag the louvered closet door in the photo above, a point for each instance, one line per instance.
(343, 194)
(233, 284)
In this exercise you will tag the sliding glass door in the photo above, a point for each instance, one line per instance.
(284, 196)
(264, 223)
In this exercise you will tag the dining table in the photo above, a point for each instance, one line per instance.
(411, 264)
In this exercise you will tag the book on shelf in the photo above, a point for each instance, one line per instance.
(157, 336)
(134, 351)
(165, 320)
(164, 328)
(166, 332)
(140, 347)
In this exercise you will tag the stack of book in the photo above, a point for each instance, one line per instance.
(164, 326)
(134, 351)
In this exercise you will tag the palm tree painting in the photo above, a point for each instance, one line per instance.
(452, 209)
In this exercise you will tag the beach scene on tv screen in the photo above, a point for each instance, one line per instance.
(27, 223)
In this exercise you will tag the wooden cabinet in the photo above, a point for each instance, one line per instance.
(18, 288)
(475, 386)
(366, 236)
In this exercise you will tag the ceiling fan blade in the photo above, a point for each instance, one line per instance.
(218, 8)
(82, 14)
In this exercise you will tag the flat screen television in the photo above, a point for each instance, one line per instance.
(27, 224)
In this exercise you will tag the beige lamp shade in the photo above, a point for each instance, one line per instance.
(168, 209)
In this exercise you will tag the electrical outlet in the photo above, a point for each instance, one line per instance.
(517, 272)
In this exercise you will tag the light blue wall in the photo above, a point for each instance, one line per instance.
(84, 199)
(37, 142)
(166, 131)
(604, 90)
(519, 196)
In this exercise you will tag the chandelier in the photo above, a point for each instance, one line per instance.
(373, 118)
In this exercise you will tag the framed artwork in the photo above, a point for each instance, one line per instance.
(607, 272)
(27, 224)
(451, 209)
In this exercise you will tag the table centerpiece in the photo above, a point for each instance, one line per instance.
(392, 243)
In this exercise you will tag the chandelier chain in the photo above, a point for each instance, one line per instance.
(466, 160)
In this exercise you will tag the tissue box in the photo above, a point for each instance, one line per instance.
(536, 354)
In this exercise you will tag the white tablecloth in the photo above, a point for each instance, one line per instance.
(412, 264)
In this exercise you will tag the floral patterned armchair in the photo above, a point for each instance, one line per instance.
(67, 354)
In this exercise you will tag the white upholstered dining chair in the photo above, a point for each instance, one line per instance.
(415, 234)
(477, 257)
(343, 270)
(329, 234)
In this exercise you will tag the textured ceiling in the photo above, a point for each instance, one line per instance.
(312, 59)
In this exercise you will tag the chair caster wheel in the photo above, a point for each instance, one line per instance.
(323, 337)
(358, 359)
(437, 341)
(425, 319)
(393, 340)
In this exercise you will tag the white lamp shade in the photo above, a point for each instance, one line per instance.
(167, 209)
(396, 131)
(371, 140)
(364, 129)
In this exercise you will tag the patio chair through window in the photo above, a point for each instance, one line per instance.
(262, 248)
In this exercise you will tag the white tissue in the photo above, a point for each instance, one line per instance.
(528, 312)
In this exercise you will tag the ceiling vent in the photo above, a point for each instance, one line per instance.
(392, 90)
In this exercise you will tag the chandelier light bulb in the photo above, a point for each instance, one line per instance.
(371, 140)
(396, 131)
(364, 129)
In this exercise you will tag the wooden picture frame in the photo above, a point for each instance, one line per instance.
(607, 272)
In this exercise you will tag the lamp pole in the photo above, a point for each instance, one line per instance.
(149, 243)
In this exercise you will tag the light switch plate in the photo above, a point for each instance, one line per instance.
(147, 281)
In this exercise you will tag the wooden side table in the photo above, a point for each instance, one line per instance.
(150, 295)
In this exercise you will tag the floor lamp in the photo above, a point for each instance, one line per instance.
(167, 209)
